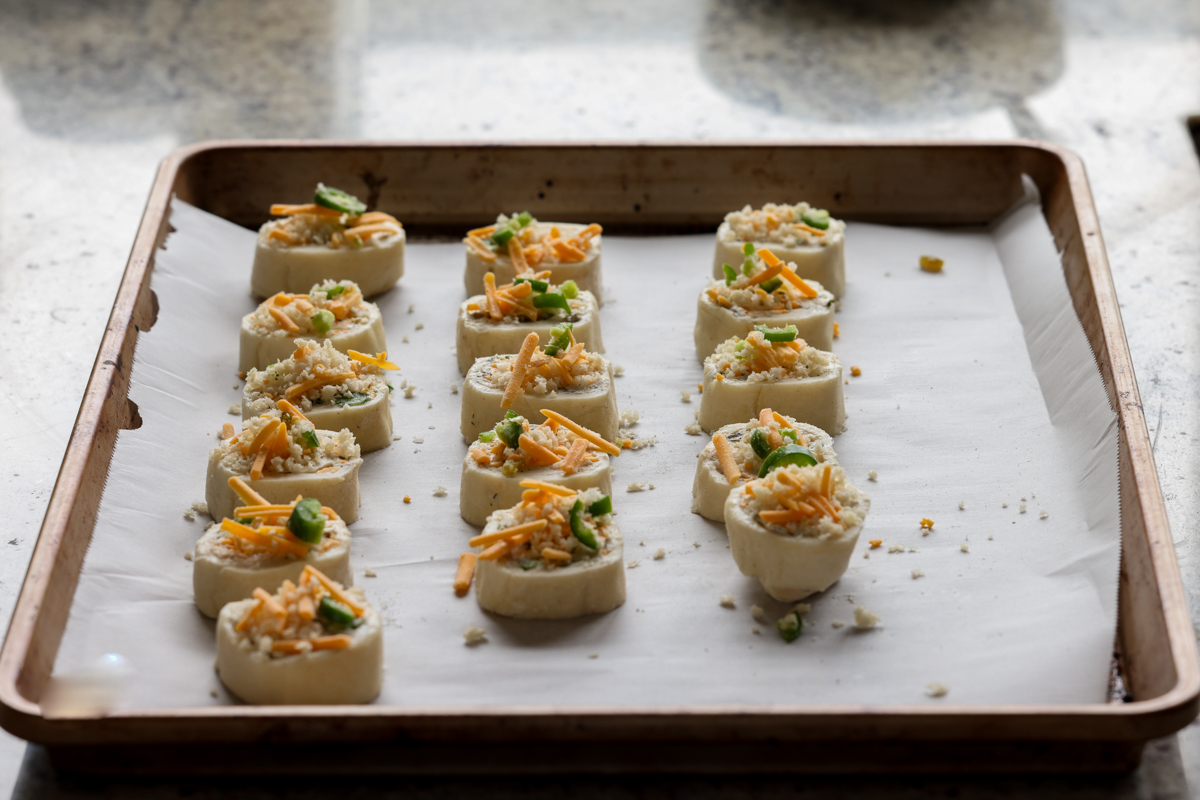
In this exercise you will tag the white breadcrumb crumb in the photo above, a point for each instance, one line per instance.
(593, 655)
(405, 340)
(636, 486)
(235, 410)
(474, 635)
(1043, 515)
(936, 689)
(418, 440)
(188, 556)
(454, 388)
(990, 538)
(1004, 505)
(727, 601)
(432, 427)
(642, 543)
(864, 619)
(837, 623)
(618, 370)
(756, 630)
(802, 608)
(896, 548)
(430, 404)
(966, 548)
(635, 442)
(872, 475)
(412, 308)
(440, 491)
(866, 554)
(685, 396)
(397, 437)
(758, 613)
(633, 564)
(695, 544)
(420, 326)
(369, 573)
(1023, 499)
(408, 391)
(660, 554)
(962, 505)
(918, 573)
(1023, 509)
(693, 429)
(629, 418)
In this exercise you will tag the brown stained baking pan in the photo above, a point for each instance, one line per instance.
(442, 189)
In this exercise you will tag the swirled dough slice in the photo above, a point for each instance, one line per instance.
(781, 228)
(222, 574)
(716, 323)
(792, 565)
(352, 674)
(585, 272)
(478, 336)
(375, 267)
(593, 406)
(486, 489)
(710, 488)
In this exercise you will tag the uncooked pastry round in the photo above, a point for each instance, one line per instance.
(477, 337)
(259, 351)
(817, 399)
(593, 407)
(709, 488)
(336, 487)
(715, 323)
(586, 273)
(486, 489)
(586, 587)
(217, 580)
(375, 267)
(327, 677)
(789, 568)
(824, 263)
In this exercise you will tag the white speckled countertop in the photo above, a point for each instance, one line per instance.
(93, 95)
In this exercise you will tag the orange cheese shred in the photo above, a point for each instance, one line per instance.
(725, 458)
(283, 319)
(485, 539)
(464, 574)
(574, 456)
(516, 381)
(601, 443)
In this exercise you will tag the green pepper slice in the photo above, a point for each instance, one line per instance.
(789, 433)
(510, 414)
(307, 522)
(816, 218)
(748, 249)
(334, 291)
(323, 320)
(788, 454)
(523, 219)
(352, 399)
(338, 200)
(787, 334)
(747, 265)
(336, 613)
(528, 563)
(569, 289)
(789, 626)
(244, 520)
(551, 300)
(771, 285)
(601, 507)
(487, 436)
(310, 438)
(510, 432)
(759, 443)
(730, 274)
(560, 339)
(501, 236)
(580, 529)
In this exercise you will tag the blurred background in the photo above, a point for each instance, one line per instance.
(94, 94)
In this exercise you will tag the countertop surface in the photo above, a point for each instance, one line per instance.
(94, 95)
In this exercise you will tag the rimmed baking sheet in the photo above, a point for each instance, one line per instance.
(949, 409)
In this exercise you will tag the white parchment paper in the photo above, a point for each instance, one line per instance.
(977, 387)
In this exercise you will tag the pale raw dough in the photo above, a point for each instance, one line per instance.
(586, 587)
(295, 270)
(477, 338)
(485, 489)
(258, 351)
(335, 486)
(217, 580)
(586, 273)
(594, 407)
(817, 400)
(824, 263)
(715, 323)
(371, 422)
(328, 677)
(709, 489)
(789, 568)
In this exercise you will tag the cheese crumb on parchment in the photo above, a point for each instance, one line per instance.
(633, 564)
(593, 655)
(636, 486)
(474, 635)
(454, 388)
(618, 370)
(962, 505)
(896, 548)
(369, 573)
(188, 556)
(727, 601)
(235, 410)
(695, 544)
(685, 395)
(758, 613)
(1023, 509)
(918, 573)
(872, 475)
(405, 340)
(660, 554)
(837, 623)
(966, 548)
(936, 689)
(409, 390)
(864, 619)
(440, 491)
(629, 418)
(1043, 515)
